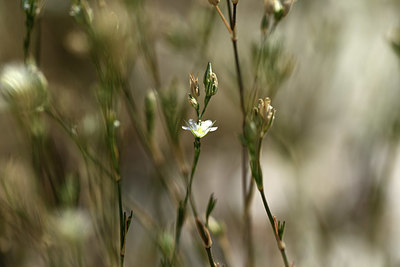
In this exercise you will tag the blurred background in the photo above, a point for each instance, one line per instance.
(330, 161)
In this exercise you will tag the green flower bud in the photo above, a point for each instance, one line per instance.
(23, 87)
(193, 102)
(278, 10)
(207, 76)
(274, 7)
(264, 23)
(212, 87)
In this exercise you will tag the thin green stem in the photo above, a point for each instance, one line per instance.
(228, 4)
(228, 27)
(248, 233)
(210, 257)
(121, 224)
(239, 77)
(255, 88)
(38, 41)
(272, 222)
(243, 109)
(206, 101)
(188, 196)
(234, 17)
(189, 188)
(242, 106)
(29, 27)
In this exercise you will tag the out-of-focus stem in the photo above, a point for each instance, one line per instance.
(29, 23)
(38, 41)
(85, 153)
(121, 224)
(132, 112)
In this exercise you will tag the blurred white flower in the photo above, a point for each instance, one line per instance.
(73, 225)
(201, 128)
(23, 86)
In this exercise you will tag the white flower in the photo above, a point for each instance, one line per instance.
(23, 86)
(201, 128)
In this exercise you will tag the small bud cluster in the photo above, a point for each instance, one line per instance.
(275, 11)
(211, 87)
(257, 125)
(264, 115)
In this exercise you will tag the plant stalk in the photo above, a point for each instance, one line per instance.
(272, 222)
(210, 257)
(121, 224)
(246, 193)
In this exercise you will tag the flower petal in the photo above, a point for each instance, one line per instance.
(207, 123)
(192, 124)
